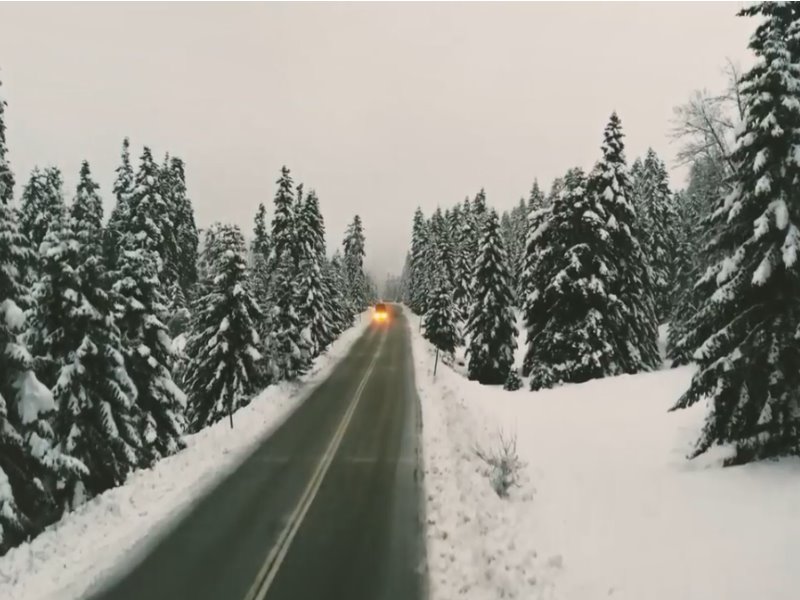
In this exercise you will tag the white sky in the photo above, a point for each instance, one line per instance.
(379, 107)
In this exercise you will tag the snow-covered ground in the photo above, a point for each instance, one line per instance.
(608, 506)
(74, 555)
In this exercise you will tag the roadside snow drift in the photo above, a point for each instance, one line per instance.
(72, 557)
(608, 505)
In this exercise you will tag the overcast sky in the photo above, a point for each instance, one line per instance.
(379, 107)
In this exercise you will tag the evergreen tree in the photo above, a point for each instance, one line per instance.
(657, 230)
(749, 367)
(147, 344)
(283, 225)
(340, 309)
(314, 310)
(42, 205)
(186, 235)
(223, 370)
(637, 336)
(123, 187)
(462, 297)
(292, 342)
(418, 293)
(6, 175)
(571, 314)
(491, 329)
(354, 265)
(73, 322)
(540, 256)
(260, 245)
(440, 319)
(148, 213)
(30, 461)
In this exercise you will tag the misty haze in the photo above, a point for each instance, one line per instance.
(398, 301)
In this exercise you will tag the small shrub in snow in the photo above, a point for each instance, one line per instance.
(505, 466)
(513, 381)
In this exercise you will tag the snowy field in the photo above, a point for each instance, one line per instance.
(73, 556)
(608, 506)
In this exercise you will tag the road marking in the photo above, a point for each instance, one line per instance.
(269, 570)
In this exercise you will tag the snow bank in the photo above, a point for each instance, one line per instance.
(73, 556)
(609, 507)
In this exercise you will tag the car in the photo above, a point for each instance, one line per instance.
(381, 313)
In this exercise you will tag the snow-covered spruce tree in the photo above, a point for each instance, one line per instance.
(30, 462)
(73, 326)
(186, 236)
(261, 243)
(147, 344)
(289, 343)
(283, 219)
(6, 175)
(152, 215)
(354, 265)
(462, 297)
(572, 315)
(637, 334)
(538, 263)
(41, 205)
(417, 284)
(292, 342)
(311, 288)
(223, 369)
(749, 367)
(341, 310)
(657, 230)
(123, 186)
(440, 319)
(706, 189)
(491, 328)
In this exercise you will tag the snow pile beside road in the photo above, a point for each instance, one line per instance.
(608, 507)
(70, 558)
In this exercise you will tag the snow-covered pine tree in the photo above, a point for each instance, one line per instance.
(571, 315)
(260, 286)
(74, 331)
(637, 334)
(151, 215)
(283, 220)
(260, 246)
(340, 309)
(311, 288)
(462, 271)
(491, 328)
(29, 459)
(169, 222)
(186, 235)
(749, 367)
(417, 284)
(440, 319)
(657, 230)
(41, 205)
(538, 263)
(6, 174)
(289, 343)
(354, 265)
(123, 187)
(146, 341)
(697, 229)
(223, 370)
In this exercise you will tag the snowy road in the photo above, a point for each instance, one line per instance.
(327, 507)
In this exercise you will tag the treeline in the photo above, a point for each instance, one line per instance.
(92, 385)
(598, 264)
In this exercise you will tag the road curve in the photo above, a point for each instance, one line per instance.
(329, 507)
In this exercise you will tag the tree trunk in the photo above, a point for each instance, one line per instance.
(436, 364)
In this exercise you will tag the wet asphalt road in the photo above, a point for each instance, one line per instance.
(329, 507)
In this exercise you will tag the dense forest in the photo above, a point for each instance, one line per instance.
(119, 336)
(604, 259)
